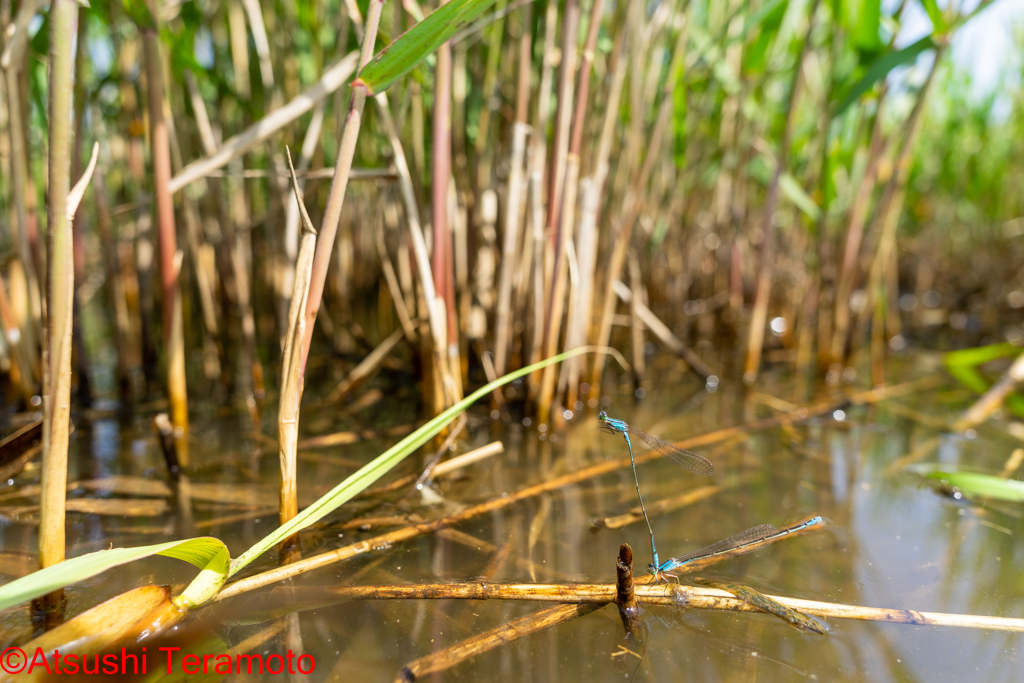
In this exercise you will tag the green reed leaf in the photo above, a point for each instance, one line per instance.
(207, 553)
(419, 42)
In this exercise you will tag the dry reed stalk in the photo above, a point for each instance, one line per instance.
(634, 200)
(658, 508)
(559, 224)
(332, 79)
(291, 221)
(443, 468)
(336, 198)
(511, 219)
(537, 265)
(262, 44)
(445, 659)
(60, 292)
(600, 469)
(291, 372)
(17, 33)
(675, 595)
(394, 287)
(205, 270)
(755, 338)
(579, 303)
(367, 368)
(578, 330)
(125, 342)
(174, 342)
(419, 244)
(637, 325)
(726, 183)
(536, 162)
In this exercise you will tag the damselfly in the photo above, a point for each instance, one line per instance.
(683, 458)
(743, 542)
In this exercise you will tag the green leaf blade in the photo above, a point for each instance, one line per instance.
(977, 485)
(881, 67)
(205, 552)
(419, 42)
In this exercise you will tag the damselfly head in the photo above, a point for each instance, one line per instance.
(602, 415)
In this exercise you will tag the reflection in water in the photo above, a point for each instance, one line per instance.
(891, 542)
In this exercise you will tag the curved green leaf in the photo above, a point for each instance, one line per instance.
(881, 67)
(207, 553)
(416, 44)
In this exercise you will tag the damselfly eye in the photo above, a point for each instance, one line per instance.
(603, 415)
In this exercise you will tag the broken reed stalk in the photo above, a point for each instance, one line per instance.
(587, 473)
(174, 340)
(673, 595)
(625, 592)
(488, 640)
(332, 213)
(291, 373)
(60, 288)
(755, 338)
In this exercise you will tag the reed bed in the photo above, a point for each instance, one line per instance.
(739, 183)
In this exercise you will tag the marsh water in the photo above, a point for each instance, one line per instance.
(891, 540)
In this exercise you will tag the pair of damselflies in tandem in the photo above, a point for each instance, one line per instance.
(743, 542)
